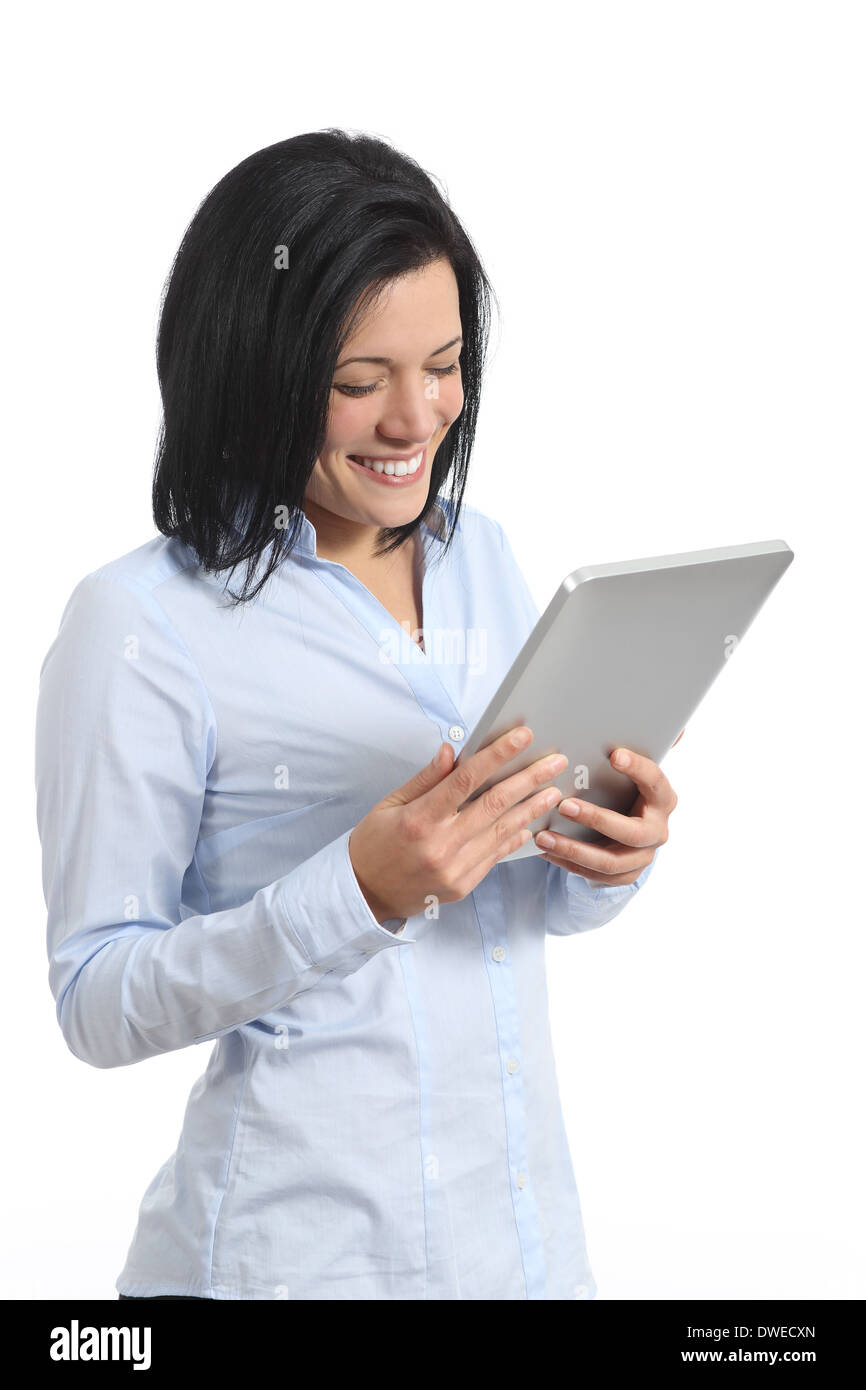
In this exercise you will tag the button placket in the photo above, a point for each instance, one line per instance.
(490, 912)
(418, 670)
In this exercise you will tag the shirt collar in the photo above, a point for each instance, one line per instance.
(436, 524)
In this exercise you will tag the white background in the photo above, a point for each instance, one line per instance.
(669, 199)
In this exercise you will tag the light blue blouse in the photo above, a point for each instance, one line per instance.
(379, 1116)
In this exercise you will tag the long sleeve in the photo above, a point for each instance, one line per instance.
(125, 739)
(575, 903)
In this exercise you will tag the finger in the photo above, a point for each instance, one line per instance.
(677, 739)
(430, 776)
(513, 842)
(492, 806)
(446, 799)
(647, 776)
(606, 880)
(602, 859)
(490, 839)
(649, 828)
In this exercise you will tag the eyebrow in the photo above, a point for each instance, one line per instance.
(389, 361)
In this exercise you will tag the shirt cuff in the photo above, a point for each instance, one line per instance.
(324, 908)
(591, 892)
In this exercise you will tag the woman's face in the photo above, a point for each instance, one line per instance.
(395, 410)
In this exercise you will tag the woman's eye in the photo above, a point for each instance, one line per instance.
(368, 390)
(354, 390)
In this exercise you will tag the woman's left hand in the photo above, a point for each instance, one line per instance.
(632, 840)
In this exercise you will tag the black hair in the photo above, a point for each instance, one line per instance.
(246, 351)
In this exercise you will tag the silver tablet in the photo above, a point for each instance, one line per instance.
(622, 657)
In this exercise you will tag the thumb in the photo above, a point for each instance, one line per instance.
(423, 781)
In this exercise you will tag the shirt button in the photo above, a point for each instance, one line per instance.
(498, 953)
(521, 1179)
(512, 1065)
(456, 732)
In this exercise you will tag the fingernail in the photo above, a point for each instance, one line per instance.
(570, 807)
(621, 758)
(544, 840)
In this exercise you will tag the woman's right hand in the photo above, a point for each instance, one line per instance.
(417, 842)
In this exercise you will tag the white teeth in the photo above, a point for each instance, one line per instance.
(397, 469)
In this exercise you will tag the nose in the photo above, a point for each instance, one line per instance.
(409, 415)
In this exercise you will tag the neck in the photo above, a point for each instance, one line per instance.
(350, 543)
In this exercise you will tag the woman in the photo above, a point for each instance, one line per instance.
(246, 793)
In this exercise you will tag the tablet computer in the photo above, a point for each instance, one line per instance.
(622, 657)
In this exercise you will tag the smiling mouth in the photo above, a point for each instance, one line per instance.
(397, 468)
